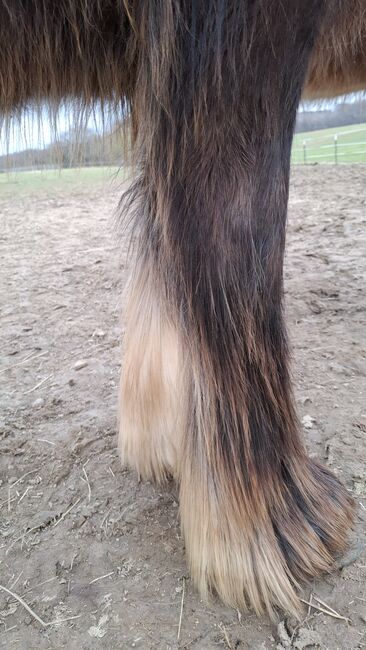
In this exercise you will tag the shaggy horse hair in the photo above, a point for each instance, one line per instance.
(212, 87)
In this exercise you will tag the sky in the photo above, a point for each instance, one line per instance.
(35, 129)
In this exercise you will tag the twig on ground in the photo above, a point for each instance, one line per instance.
(30, 357)
(40, 383)
(328, 611)
(16, 580)
(32, 471)
(6, 503)
(226, 636)
(101, 577)
(24, 604)
(63, 620)
(181, 608)
(72, 561)
(105, 521)
(66, 513)
(310, 601)
(25, 493)
(87, 481)
(33, 613)
(321, 602)
(9, 629)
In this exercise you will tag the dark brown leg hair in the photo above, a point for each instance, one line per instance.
(218, 85)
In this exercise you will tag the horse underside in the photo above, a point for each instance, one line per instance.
(205, 391)
(92, 51)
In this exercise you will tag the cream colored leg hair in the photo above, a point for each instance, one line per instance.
(152, 402)
(229, 553)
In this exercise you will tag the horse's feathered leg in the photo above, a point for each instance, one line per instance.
(219, 85)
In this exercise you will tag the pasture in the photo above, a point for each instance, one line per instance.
(95, 554)
(53, 180)
(343, 144)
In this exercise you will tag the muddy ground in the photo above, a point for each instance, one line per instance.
(91, 550)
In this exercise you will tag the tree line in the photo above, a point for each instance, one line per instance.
(341, 114)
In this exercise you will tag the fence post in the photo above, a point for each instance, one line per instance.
(304, 150)
(336, 149)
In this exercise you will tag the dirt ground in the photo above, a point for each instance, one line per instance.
(95, 554)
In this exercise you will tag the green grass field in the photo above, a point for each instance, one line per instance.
(50, 179)
(321, 147)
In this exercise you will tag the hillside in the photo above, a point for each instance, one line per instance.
(334, 145)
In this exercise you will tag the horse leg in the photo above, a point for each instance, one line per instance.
(219, 85)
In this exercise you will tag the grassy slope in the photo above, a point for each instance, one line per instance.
(320, 144)
(38, 181)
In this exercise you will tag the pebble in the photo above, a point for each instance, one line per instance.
(99, 334)
(38, 403)
(308, 421)
(307, 639)
(43, 518)
(80, 364)
(283, 637)
(305, 400)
